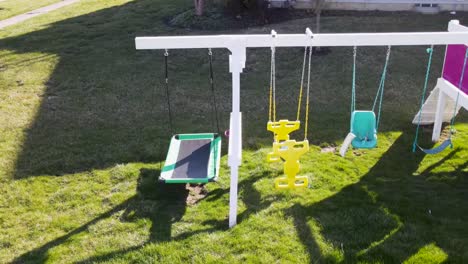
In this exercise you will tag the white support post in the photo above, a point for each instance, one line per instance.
(236, 65)
(446, 90)
(454, 26)
(439, 115)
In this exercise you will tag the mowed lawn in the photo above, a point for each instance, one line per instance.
(84, 129)
(9, 8)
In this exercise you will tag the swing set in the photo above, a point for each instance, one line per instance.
(186, 150)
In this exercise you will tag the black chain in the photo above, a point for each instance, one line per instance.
(166, 75)
(213, 94)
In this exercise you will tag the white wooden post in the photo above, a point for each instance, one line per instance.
(439, 115)
(236, 65)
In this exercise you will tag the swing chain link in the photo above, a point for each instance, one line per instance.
(272, 108)
(306, 124)
(301, 88)
(166, 75)
(213, 94)
(166, 55)
(353, 88)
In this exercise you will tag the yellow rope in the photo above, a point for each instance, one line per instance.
(306, 117)
(271, 99)
(273, 81)
(299, 104)
(306, 125)
(299, 101)
(274, 110)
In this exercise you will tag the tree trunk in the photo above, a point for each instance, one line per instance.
(318, 11)
(198, 7)
(317, 22)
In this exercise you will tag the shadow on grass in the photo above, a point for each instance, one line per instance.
(391, 213)
(164, 205)
(39, 255)
(254, 203)
(104, 102)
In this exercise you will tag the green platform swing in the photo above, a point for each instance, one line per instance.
(364, 124)
(192, 158)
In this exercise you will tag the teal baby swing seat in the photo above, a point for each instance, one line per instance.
(363, 126)
(365, 123)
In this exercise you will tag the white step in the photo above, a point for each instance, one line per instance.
(430, 106)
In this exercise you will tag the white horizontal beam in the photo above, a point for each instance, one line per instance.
(301, 40)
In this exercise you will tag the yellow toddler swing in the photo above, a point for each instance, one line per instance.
(285, 149)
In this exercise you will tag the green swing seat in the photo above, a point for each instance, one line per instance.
(192, 158)
(363, 126)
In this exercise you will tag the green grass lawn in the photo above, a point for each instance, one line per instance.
(84, 127)
(9, 8)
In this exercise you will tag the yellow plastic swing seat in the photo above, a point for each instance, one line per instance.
(273, 157)
(282, 128)
(284, 183)
(290, 151)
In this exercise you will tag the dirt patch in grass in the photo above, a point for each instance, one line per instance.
(196, 193)
(328, 149)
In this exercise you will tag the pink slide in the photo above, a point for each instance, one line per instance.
(453, 66)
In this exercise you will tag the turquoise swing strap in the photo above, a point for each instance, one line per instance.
(353, 89)
(447, 142)
(423, 97)
(380, 90)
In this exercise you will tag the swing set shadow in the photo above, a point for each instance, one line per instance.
(369, 220)
(168, 206)
(60, 142)
(87, 122)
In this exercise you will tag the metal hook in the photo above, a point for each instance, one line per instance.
(429, 50)
(388, 52)
(166, 53)
(273, 33)
(309, 33)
